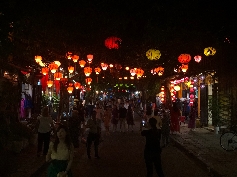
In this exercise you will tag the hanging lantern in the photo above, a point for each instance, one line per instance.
(87, 71)
(38, 59)
(49, 83)
(82, 63)
(197, 58)
(209, 51)
(153, 54)
(53, 67)
(75, 58)
(132, 72)
(71, 69)
(77, 85)
(160, 70)
(191, 96)
(177, 88)
(153, 71)
(45, 71)
(184, 58)
(89, 58)
(184, 68)
(57, 63)
(97, 70)
(58, 76)
(127, 68)
(70, 89)
(88, 80)
(139, 72)
(104, 66)
(69, 55)
(111, 65)
(113, 42)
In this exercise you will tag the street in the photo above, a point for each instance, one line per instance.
(122, 155)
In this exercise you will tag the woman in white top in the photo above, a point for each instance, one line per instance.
(60, 154)
(45, 124)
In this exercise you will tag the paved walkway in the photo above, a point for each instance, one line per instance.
(201, 144)
(204, 146)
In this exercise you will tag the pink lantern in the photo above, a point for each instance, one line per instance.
(197, 58)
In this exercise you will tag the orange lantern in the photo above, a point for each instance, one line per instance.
(58, 76)
(82, 63)
(197, 58)
(97, 70)
(69, 55)
(184, 58)
(57, 63)
(38, 59)
(87, 71)
(49, 83)
(53, 67)
(104, 66)
(88, 80)
(89, 58)
(77, 85)
(45, 71)
(75, 58)
(70, 69)
(70, 89)
(184, 68)
(139, 72)
(133, 72)
(160, 70)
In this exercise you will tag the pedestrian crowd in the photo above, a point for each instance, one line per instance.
(84, 125)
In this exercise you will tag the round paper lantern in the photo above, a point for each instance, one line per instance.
(133, 72)
(70, 69)
(82, 63)
(77, 85)
(45, 71)
(197, 58)
(49, 83)
(113, 42)
(184, 58)
(87, 71)
(38, 59)
(89, 58)
(75, 58)
(209, 51)
(88, 80)
(70, 89)
(153, 54)
(58, 76)
(97, 70)
(53, 67)
(191, 96)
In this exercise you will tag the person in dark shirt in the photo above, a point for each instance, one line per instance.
(122, 117)
(152, 151)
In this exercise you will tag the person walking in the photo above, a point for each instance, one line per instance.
(152, 151)
(165, 129)
(130, 117)
(107, 119)
(122, 117)
(115, 117)
(60, 154)
(93, 135)
(174, 119)
(45, 124)
(74, 128)
(99, 115)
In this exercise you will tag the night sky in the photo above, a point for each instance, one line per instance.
(172, 26)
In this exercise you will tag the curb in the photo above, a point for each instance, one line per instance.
(211, 172)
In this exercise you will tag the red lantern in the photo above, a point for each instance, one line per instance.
(77, 85)
(88, 80)
(45, 71)
(113, 42)
(184, 58)
(58, 76)
(139, 72)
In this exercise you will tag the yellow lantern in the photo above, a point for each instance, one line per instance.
(97, 70)
(89, 58)
(77, 85)
(111, 65)
(75, 58)
(209, 51)
(127, 68)
(57, 63)
(70, 89)
(88, 80)
(132, 72)
(153, 54)
(82, 63)
(70, 69)
(58, 76)
(42, 64)
(53, 67)
(45, 71)
(139, 72)
(104, 66)
(38, 59)
(49, 83)
(177, 88)
(184, 67)
(87, 71)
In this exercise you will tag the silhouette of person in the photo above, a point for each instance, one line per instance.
(152, 151)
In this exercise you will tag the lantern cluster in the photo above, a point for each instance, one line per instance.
(162, 94)
(172, 91)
